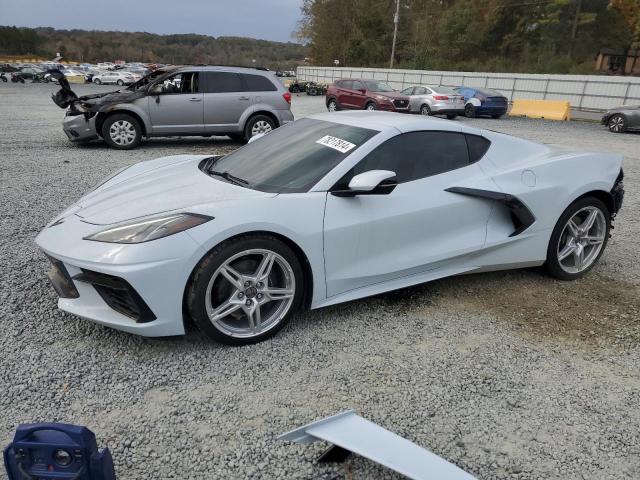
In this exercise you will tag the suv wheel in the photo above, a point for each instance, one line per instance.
(122, 131)
(333, 106)
(258, 124)
(370, 106)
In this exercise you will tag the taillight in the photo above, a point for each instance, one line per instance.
(287, 97)
(441, 97)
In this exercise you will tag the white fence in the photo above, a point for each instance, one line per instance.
(585, 92)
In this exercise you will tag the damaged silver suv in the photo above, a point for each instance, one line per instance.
(181, 101)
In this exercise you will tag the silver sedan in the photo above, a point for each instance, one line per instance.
(435, 100)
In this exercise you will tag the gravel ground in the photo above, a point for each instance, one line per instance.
(509, 375)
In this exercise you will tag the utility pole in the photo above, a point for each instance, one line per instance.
(395, 32)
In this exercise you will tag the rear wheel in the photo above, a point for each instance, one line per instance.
(578, 239)
(122, 131)
(258, 124)
(245, 290)
(617, 123)
(370, 106)
(425, 110)
(469, 111)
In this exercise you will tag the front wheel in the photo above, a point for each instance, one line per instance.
(122, 131)
(120, 82)
(370, 106)
(617, 124)
(469, 111)
(244, 291)
(578, 239)
(332, 106)
(97, 81)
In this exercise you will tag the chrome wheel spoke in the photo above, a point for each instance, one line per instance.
(573, 228)
(578, 258)
(566, 251)
(591, 240)
(254, 317)
(264, 270)
(226, 308)
(278, 293)
(233, 276)
(589, 221)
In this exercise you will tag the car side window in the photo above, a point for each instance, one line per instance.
(257, 83)
(416, 155)
(409, 90)
(420, 91)
(348, 84)
(222, 82)
(358, 85)
(180, 83)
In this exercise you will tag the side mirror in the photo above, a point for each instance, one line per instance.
(373, 182)
(256, 137)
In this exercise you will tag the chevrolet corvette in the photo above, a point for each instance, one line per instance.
(328, 209)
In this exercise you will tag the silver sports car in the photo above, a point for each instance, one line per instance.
(622, 119)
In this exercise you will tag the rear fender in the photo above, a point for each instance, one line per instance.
(474, 101)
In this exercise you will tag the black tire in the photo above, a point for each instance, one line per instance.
(333, 101)
(371, 106)
(4, 79)
(261, 120)
(552, 264)
(97, 81)
(451, 116)
(312, 91)
(295, 89)
(196, 293)
(470, 111)
(122, 117)
(120, 83)
(617, 123)
(425, 110)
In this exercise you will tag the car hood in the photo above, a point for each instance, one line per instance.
(392, 95)
(166, 184)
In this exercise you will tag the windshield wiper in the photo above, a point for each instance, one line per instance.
(230, 178)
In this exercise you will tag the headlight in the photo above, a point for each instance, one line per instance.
(148, 229)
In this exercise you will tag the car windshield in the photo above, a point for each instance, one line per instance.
(374, 86)
(144, 81)
(291, 158)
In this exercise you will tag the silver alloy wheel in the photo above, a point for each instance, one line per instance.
(424, 110)
(371, 106)
(332, 106)
(581, 240)
(122, 132)
(261, 126)
(252, 302)
(616, 124)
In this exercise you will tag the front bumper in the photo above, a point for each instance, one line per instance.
(79, 128)
(134, 288)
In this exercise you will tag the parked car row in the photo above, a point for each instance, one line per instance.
(362, 94)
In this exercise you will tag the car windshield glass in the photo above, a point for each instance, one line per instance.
(291, 158)
(144, 81)
(374, 86)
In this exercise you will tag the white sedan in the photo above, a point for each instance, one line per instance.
(114, 77)
(328, 209)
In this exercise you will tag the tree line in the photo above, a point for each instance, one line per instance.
(100, 46)
(535, 36)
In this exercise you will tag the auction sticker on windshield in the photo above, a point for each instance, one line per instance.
(336, 143)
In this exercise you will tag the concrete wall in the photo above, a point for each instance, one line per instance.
(587, 92)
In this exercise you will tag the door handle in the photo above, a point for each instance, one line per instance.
(243, 98)
(195, 99)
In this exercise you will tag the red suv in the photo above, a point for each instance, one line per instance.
(356, 94)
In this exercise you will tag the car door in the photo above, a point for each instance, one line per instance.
(370, 239)
(225, 99)
(359, 94)
(418, 98)
(176, 105)
(345, 98)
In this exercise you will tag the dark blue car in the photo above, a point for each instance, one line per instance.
(483, 102)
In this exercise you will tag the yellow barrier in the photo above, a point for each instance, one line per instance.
(76, 78)
(547, 109)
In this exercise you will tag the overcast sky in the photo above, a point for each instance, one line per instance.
(266, 19)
